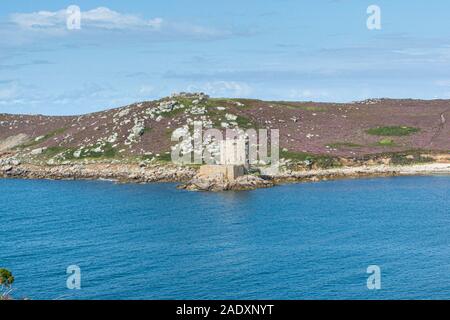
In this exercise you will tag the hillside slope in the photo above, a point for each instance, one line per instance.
(143, 130)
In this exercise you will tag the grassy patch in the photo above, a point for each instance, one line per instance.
(214, 114)
(44, 138)
(312, 108)
(222, 102)
(53, 151)
(173, 112)
(244, 123)
(185, 101)
(146, 130)
(341, 145)
(170, 114)
(67, 153)
(168, 133)
(407, 159)
(146, 157)
(392, 131)
(108, 152)
(305, 108)
(321, 161)
(386, 142)
(165, 157)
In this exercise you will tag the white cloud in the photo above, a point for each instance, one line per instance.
(54, 23)
(222, 88)
(101, 17)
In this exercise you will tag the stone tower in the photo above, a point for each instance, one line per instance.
(234, 152)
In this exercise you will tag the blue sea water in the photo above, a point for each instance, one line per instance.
(296, 241)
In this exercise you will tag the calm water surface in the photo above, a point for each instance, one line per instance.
(299, 241)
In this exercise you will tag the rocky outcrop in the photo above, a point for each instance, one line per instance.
(246, 182)
(9, 166)
(118, 172)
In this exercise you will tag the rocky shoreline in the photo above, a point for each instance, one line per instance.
(246, 182)
(365, 171)
(186, 176)
(97, 171)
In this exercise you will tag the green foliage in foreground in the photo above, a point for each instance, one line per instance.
(392, 131)
(6, 278)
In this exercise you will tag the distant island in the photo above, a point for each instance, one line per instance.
(317, 140)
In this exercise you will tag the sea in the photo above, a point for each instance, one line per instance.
(374, 238)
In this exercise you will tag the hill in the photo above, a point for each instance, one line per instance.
(143, 130)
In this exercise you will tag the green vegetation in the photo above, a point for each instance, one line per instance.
(146, 130)
(214, 114)
(392, 131)
(53, 151)
(173, 112)
(306, 108)
(341, 145)
(168, 132)
(146, 157)
(223, 102)
(319, 160)
(244, 123)
(108, 152)
(312, 108)
(6, 278)
(44, 138)
(409, 158)
(68, 153)
(165, 157)
(185, 101)
(386, 142)
(6, 281)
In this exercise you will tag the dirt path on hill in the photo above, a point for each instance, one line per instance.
(441, 126)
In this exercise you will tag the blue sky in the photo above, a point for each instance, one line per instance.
(128, 51)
